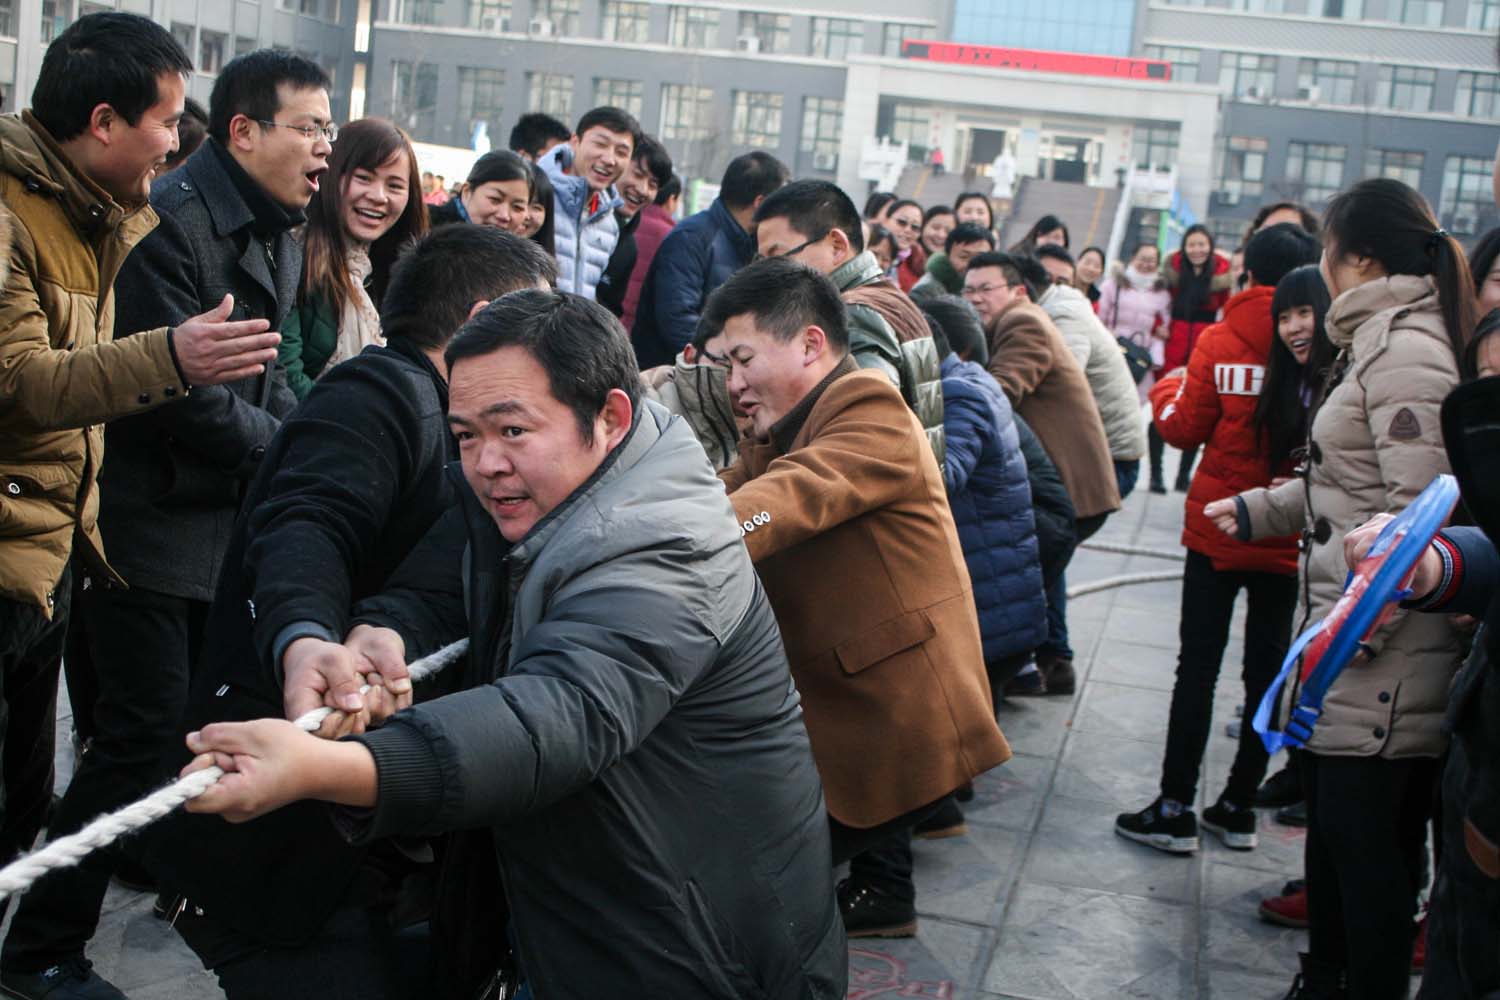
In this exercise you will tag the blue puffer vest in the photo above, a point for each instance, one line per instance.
(985, 473)
(584, 239)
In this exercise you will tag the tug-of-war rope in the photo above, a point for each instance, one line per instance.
(64, 852)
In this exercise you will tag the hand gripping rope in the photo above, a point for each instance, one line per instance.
(64, 852)
(1371, 592)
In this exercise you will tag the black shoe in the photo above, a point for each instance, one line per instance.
(1061, 678)
(72, 979)
(947, 821)
(1158, 486)
(1292, 815)
(1028, 685)
(868, 912)
(1181, 486)
(1280, 789)
(1235, 827)
(1175, 835)
(1318, 980)
(964, 792)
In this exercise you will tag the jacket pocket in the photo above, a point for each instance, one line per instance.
(36, 499)
(884, 641)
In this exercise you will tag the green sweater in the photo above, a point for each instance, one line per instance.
(308, 340)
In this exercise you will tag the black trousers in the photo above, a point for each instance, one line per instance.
(1208, 598)
(31, 647)
(1366, 834)
(880, 856)
(142, 643)
(1463, 921)
(1156, 448)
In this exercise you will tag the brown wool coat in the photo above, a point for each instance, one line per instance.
(851, 534)
(1043, 381)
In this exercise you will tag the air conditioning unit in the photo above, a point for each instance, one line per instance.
(1230, 193)
(747, 43)
(826, 161)
(1310, 94)
(1255, 94)
(541, 27)
(494, 24)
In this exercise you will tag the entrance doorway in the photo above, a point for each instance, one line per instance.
(1070, 158)
(985, 145)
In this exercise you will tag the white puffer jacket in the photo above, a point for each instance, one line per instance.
(1103, 364)
(584, 239)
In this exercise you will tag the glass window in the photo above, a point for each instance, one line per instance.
(415, 11)
(772, 32)
(910, 123)
(1478, 95)
(1406, 88)
(822, 130)
(1428, 13)
(481, 98)
(1244, 74)
(1242, 171)
(895, 34)
(1317, 168)
(626, 22)
(183, 33)
(687, 112)
(8, 18)
(1396, 164)
(693, 27)
(626, 94)
(562, 13)
(550, 92)
(243, 44)
(1468, 198)
(487, 15)
(1261, 6)
(757, 119)
(837, 37)
(1484, 15)
(1184, 61)
(1155, 145)
(1349, 10)
(1327, 81)
(414, 97)
(211, 46)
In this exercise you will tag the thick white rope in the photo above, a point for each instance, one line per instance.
(65, 852)
(1108, 583)
(1175, 555)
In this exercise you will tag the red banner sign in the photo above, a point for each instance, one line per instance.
(1038, 61)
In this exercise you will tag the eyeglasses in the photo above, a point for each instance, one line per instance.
(973, 291)
(329, 131)
(796, 249)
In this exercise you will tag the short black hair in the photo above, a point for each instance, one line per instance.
(968, 232)
(1036, 277)
(437, 280)
(614, 119)
(961, 326)
(107, 58)
(1047, 224)
(248, 84)
(784, 297)
(671, 189)
(814, 209)
(1055, 252)
(749, 176)
(500, 165)
(1275, 252)
(1008, 265)
(876, 203)
(192, 129)
(654, 157)
(582, 348)
(534, 130)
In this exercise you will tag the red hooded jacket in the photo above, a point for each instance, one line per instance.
(1214, 406)
(1185, 333)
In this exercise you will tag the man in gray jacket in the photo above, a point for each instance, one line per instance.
(633, 742)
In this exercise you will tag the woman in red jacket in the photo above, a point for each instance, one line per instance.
(1199, 281)
(1214, 403)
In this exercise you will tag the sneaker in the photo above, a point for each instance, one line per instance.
(1281, 789)
(1027, 685)
(868, 912)
(1318, 981)
(1061, 678)
(72, 979)
(947, 821)
(1293, 815)
(1234, 826)
(1175, 835)
(1287, 910)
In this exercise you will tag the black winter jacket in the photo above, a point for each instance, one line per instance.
(615, 281)
(1056, 521)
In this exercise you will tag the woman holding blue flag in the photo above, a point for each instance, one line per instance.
(1401, 315)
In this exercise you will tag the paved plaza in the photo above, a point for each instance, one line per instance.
(1041, 900)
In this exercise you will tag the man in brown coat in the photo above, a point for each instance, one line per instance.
(1048, 388)
(846, 518)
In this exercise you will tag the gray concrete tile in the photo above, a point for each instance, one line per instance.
(1036, 726)
(962, 878)
(1149, 628)
(1010, 796)
(1135, 664)
(1125, 712)
(1124, 773)
(1076, 845)
(912, 967)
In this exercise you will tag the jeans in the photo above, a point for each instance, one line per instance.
(1056, 645)
(1126, 476)
(1366, 831)
(141, 643)
(1208, 597)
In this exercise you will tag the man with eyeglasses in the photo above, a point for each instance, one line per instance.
(172, 486)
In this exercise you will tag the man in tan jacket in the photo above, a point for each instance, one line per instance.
(845, 514)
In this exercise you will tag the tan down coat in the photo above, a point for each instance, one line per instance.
(1376, 443)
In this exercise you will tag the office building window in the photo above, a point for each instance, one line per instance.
(1184, 61)
(687, 112)
(415, 11)
(1242, 171)
(693, 27)
(626, 94)
(1327, 81)
(1155, 145)
(1188, 3)
(772, 32)
(562, 13)
(243, 44)
(550, 92)
(1484, 15)
(414, 97)
(1396, 164)
(822, 130)
(1478, 95)
(1428, 13)
(835, 37)
(1261, 6)
(1349, 10)
(211, 46)
(757, 119)
(1468, 198)
(8, 18)
(1406, 88)
(481, 98)
(183, 34)
(1317, 170)
(1246, 75)
(626, 22)
(488, 15)
(895, 34)
(910, 123)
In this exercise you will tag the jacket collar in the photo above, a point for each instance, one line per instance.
(943, 271)
(573, 193)
(1374, 301)
(861, 270)
(234, 198)
(785, 430)
(35, 158)
(719, 213)
(404, 347)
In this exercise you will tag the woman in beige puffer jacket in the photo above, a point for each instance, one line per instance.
(1402, 309)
